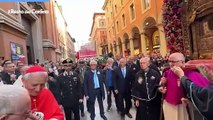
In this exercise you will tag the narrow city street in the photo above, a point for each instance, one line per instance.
(111, 115)
(153, 54)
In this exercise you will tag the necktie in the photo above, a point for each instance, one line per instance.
(123, 72)
(96, 80)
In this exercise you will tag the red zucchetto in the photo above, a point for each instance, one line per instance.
(35, 68)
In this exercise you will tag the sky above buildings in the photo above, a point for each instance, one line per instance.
(79, 17)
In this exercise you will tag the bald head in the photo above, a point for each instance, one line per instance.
(122, 62)
(144, 63)
(176, 59)
(130, 59)
(177, 56)
(13, 100)
(118, 57)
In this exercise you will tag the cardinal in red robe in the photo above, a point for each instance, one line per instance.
(43, 103)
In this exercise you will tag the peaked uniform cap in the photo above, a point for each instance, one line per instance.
(67, 61)
(35, 68)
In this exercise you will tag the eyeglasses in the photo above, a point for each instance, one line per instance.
(172, 61)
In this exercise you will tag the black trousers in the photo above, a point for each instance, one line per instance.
(127, 98)
(109, 97)
(69, 110)
(91, 104)
(81, 105)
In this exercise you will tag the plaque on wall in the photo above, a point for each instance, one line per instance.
(17, 53)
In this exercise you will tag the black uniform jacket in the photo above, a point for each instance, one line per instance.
(70, 89)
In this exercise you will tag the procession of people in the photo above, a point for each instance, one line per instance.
(158, 88)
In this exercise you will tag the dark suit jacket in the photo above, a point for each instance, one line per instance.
(115, 64)
(89, 89)
(6, 78)
(133, 70)
(123, 85)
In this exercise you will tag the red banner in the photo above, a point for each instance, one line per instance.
(87, 50)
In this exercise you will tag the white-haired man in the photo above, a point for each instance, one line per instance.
(14, 103)
(122, 85)
(145, 92)
(108, 80)
(94, 88)
(42, 100)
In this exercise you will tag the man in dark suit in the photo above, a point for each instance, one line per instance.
(70, 89)
(81, 68)
(134, 68)
(122, 85)
(116, 62)
(94, 88)
(8, 75)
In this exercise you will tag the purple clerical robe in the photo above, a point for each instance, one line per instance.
(174, 92)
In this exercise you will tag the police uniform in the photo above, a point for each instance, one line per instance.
(70, 89)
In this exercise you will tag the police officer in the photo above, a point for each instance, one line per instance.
(70, 89)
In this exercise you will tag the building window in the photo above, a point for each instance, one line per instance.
(116, 10)
(102, 23)
(124, 20)
(132, 11)
(113, 30)
(146, 3)
(117, 25)
(122, 2)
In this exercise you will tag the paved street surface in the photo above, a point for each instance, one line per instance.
(111, 115)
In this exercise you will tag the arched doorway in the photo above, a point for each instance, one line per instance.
(120, 45)
(114, 46)
(126, 42)
(111, 48)
(136, 41)
(152, 36)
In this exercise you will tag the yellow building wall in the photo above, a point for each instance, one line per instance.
(141, 15)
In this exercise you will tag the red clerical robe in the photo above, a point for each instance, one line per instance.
(45, 102)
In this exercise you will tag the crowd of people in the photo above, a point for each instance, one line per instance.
(158, 87)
